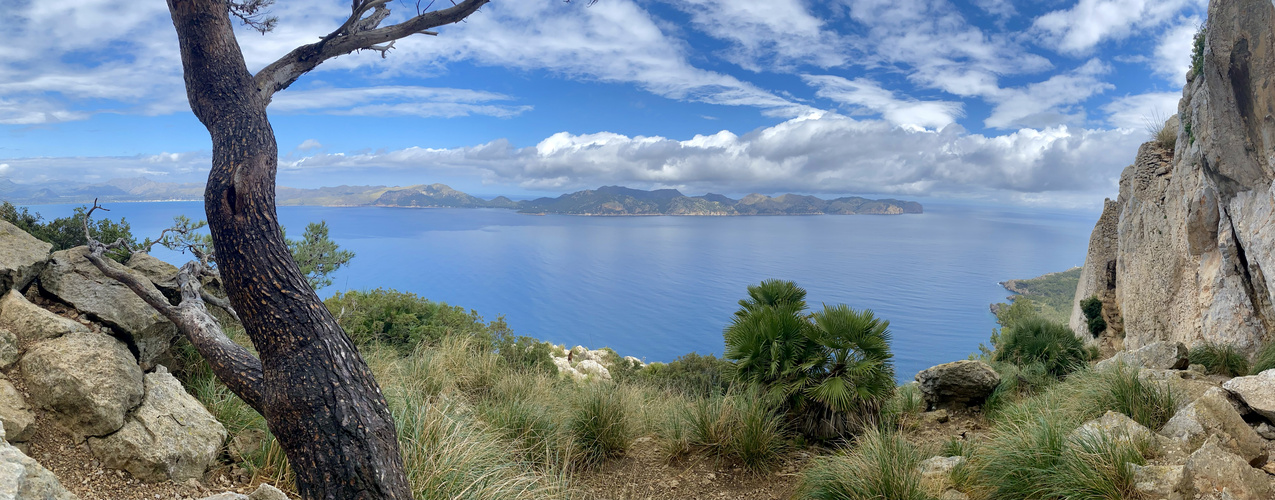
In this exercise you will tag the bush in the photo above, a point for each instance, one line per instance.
(691, 374)
(1220, 359)
(403, 320)
(1036, 340)
(1265, 358)
(882, 465)
(68, 232)
(600, 425)
(831, 366)
(1197, 50)
(1092, 308)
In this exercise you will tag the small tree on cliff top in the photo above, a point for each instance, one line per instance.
(315, 391)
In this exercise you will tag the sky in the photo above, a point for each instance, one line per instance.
(1038, 102)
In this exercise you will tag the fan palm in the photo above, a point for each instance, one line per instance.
(851, 363)
(771, 293)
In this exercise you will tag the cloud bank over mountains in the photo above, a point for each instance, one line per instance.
(1029, 102)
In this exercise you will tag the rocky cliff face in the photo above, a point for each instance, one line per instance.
(1193, 252)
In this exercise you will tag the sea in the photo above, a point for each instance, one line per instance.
(657, 287)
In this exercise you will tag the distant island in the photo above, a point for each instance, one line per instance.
(604, 201)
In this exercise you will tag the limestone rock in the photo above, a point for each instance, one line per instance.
(22, 478)
(1098, 276)
(162, 274)
(1196, 225)
(1187, 385)
(634, 362)
(22, 257)
(593, 368)
(229, 495)
(1212, 415)
(1215, 473)
(1115, 426)
(88, 381)
(169, 437)
(1155, 355)
(1160, 482)
(936, 473)
(75, 280)
(267, 492)
(31, 322)
(1256, 391)
(957, 384)
(14, 414)
(9, 351)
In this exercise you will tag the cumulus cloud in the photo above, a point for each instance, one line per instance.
(767, 34)
(1051, 102)
(1089, 22)
(1173, 51)
(867, 95)
(309, 145)
(1142, 111)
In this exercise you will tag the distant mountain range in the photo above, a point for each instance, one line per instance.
(606, 200)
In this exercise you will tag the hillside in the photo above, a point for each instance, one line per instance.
(1051, 293)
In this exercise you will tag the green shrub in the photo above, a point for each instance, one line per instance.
(403, 320)
(690, 374)
(68, 232)
(832, 366)
(1265, 358)
(1122, 390)
(599, 424)
(743, 426)
(1092, 308)
(757, 437)
(1197, 50)
(1220, 359)
(1036, 340)
(882, 465)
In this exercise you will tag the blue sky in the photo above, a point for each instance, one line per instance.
(1034, 102)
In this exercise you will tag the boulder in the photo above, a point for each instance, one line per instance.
(593, 368)
(1256, 391)
(1160, 482)
(73, 279)
(634, 362)
(1187, 385)
(31, 322)
(936, 473)
(9, 350)
(1156, 356)
(162, 274)
(169, 437)
(15, 416)
(22, 257)
(22, 478)
(1212, 415)
(88, 381)
(958, 384)
(263, 492)
(1213, 472)
(1117, 427)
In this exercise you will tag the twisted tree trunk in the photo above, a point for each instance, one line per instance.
(316, 393)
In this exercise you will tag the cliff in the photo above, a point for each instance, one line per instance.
(1182, 254)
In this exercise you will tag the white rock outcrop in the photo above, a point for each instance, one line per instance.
(1256, 391)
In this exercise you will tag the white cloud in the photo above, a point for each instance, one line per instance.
(1051, 102)
(395, 101)
(1173, 51)
(309, 145)
(868, 95)
(767, 34)
(999, 8)
(1089, 22)
(1141, 111)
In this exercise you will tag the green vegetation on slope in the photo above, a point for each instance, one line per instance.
(1051, 294)
(68, 232)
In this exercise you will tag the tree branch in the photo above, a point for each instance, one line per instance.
(231, 362)
(356, 33)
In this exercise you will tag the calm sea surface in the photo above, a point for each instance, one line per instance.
(659, 287)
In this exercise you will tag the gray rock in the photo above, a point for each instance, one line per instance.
(22, 257)
(18, 422)
(1256, 391)
(88, 381)
(31, 322)
(1266, 431)
(1115, 426)
(1185, 384)
(267, 492)
(936, 473)
(9, 351)
(229, 495)
(22, 478)
(1215, 473)
(75, 280)
(169, 437)
(1156, 355)
(957, 385)
(162, 274)
(1160, 482)
(593, 368)
(1212, 415)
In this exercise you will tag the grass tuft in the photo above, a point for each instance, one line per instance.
(1265, 358)
(1220, 359)
(599, 424)
(881, 465)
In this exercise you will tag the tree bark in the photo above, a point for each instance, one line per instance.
(319, 397)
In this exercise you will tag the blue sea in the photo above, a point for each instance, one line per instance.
(659, 287)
